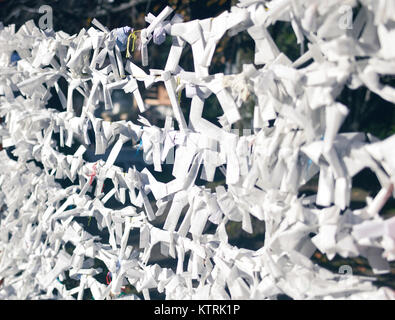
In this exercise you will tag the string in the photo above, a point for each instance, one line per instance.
(141, 143)
(140, 146)
(179, 92)
(93, 174)
(128, 44)
(108, 277)
(134, 37)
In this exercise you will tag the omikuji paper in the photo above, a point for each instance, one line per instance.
(294, 136)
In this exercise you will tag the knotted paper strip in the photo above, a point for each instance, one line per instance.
(264, 170)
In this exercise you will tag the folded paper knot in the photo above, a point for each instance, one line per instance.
(122, 37)
(264, 169)
(159, 35)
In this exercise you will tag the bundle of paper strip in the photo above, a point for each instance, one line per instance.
(264, 170)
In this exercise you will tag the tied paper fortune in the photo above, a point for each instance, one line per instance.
(264, 170)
